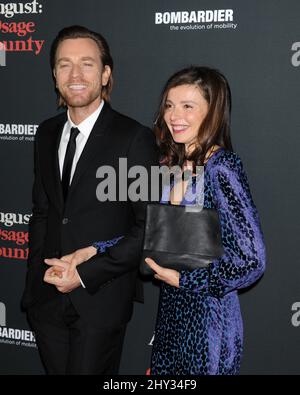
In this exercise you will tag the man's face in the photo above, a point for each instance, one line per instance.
(79, 73)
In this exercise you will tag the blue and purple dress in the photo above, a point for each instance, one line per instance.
(199, 329)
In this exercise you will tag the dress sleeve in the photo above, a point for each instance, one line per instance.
(244, 259)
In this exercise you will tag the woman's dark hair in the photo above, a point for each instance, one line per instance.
(75, 31)
(215, 128)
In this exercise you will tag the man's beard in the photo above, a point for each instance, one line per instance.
(79, 101)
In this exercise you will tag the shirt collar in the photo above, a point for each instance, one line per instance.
(86, 126)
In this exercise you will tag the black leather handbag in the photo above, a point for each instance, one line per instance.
(181, 237)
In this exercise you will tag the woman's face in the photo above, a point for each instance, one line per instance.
(185, 111)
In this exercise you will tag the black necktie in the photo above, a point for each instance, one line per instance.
(67, 167)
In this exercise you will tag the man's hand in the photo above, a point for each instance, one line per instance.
(169, 276)
(56, 270)
(61, 274)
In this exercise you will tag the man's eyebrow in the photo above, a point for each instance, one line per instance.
(63, 60)
(88, 58)
(66, 59)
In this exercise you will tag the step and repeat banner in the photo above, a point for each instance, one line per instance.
(256, 44)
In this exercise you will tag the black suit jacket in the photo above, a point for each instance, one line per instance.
(57, 228)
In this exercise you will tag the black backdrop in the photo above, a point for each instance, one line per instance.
(259, 51)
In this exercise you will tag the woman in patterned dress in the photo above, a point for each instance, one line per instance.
(199, 328)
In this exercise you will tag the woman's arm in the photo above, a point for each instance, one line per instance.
(243, 261)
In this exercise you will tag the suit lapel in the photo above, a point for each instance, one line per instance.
(91, 148)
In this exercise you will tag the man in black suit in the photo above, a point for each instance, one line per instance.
(79, 305)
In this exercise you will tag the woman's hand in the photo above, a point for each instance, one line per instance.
(79, 256)
(68, 263)
(169, 276)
